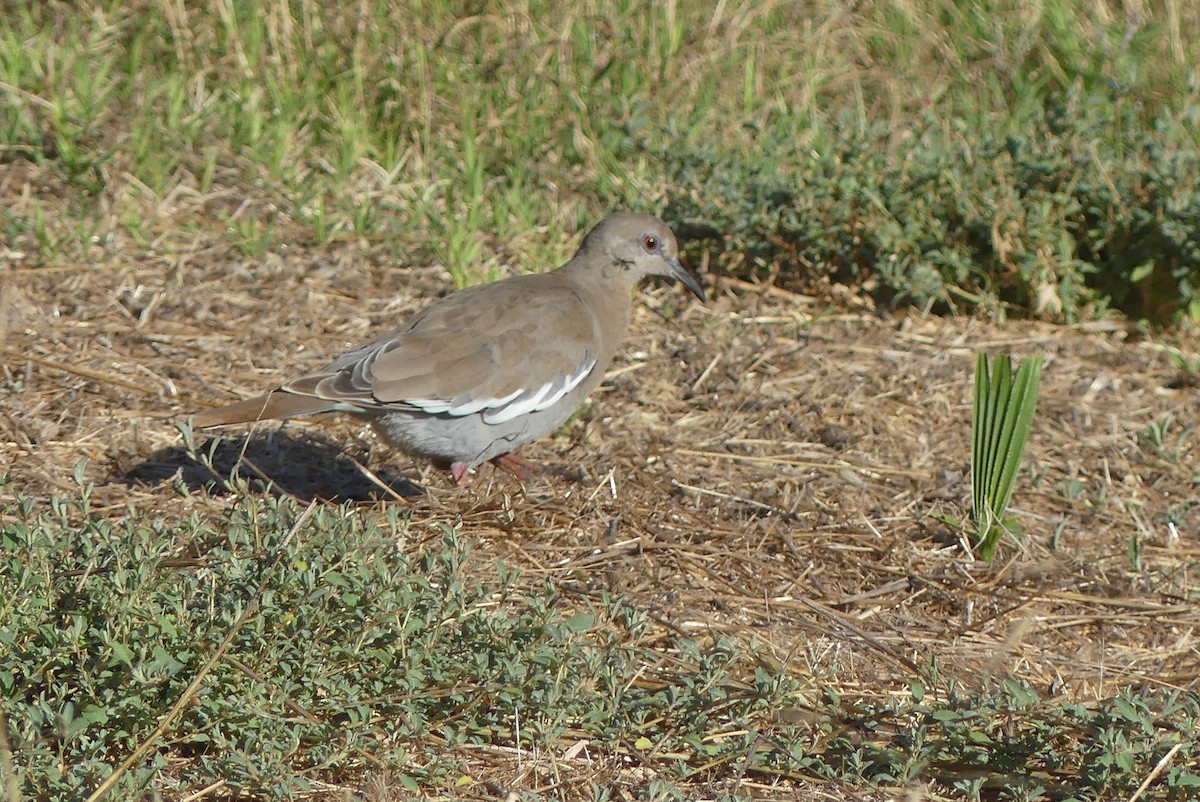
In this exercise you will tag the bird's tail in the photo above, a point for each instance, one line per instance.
(273, 405)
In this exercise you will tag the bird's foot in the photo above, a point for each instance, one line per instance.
(517, 465)
(461, 473)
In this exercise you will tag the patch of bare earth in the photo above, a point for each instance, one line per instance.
(763, 466)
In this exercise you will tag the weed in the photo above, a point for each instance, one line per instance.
(1159, 438)
(1001, 418)
(285, 639)
(342, 651)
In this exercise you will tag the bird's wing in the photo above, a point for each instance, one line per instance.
(502, 350)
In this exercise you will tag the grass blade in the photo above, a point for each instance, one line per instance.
(1001, 418)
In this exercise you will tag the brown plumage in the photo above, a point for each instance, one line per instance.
(475, 375)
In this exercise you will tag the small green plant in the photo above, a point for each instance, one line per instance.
(307, 637)
(1158, 438)
(1001, 416)
(1187, 367)
(250, 236)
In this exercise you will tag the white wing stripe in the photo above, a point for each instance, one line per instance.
(528, 402)
(431, 405)
(570, 384)
(437, 406)
(469, 406)
(545, 397)
(515, 404)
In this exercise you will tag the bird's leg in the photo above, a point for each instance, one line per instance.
(517, 465)
(461, 473)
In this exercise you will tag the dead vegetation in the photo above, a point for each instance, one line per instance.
(764, 466)
(770, 467)
(743, 462)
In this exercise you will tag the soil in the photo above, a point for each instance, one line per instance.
(769, 465)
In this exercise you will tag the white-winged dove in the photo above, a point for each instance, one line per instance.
(475, 375)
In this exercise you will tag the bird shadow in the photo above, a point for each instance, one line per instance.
(303, 465)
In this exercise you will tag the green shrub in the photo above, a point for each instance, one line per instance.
(1087, 207)
(276, 644)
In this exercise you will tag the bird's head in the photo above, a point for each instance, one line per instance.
(638, 245)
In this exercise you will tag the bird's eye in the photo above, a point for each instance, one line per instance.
(650, 243)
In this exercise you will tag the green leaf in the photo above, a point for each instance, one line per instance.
(1141, 272)
(1001, 419)
(946, 716)
(122, 653)
(580, 622)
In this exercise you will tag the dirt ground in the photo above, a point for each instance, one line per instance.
(766, 464)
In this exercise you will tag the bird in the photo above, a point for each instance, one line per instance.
(475, 375)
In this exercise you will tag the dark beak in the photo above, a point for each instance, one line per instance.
(689, 281)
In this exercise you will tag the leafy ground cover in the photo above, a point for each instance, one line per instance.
(736, 580)
(1004, 155)
(722, 588)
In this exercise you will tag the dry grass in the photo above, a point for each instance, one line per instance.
(764, 466)
(760, 465)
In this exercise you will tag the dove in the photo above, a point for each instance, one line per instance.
(477, 374)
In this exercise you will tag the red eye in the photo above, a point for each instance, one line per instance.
(650, 243)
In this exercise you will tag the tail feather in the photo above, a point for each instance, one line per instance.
(273, 405)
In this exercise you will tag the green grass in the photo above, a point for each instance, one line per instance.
(1001, 418)
(423, 127)
(282, 645)
(1012, 156)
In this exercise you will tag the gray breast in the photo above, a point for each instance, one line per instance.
(469, 438)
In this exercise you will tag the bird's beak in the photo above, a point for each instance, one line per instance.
(689, 281)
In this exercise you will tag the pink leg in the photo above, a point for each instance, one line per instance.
(461, 473)
(517, 465)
